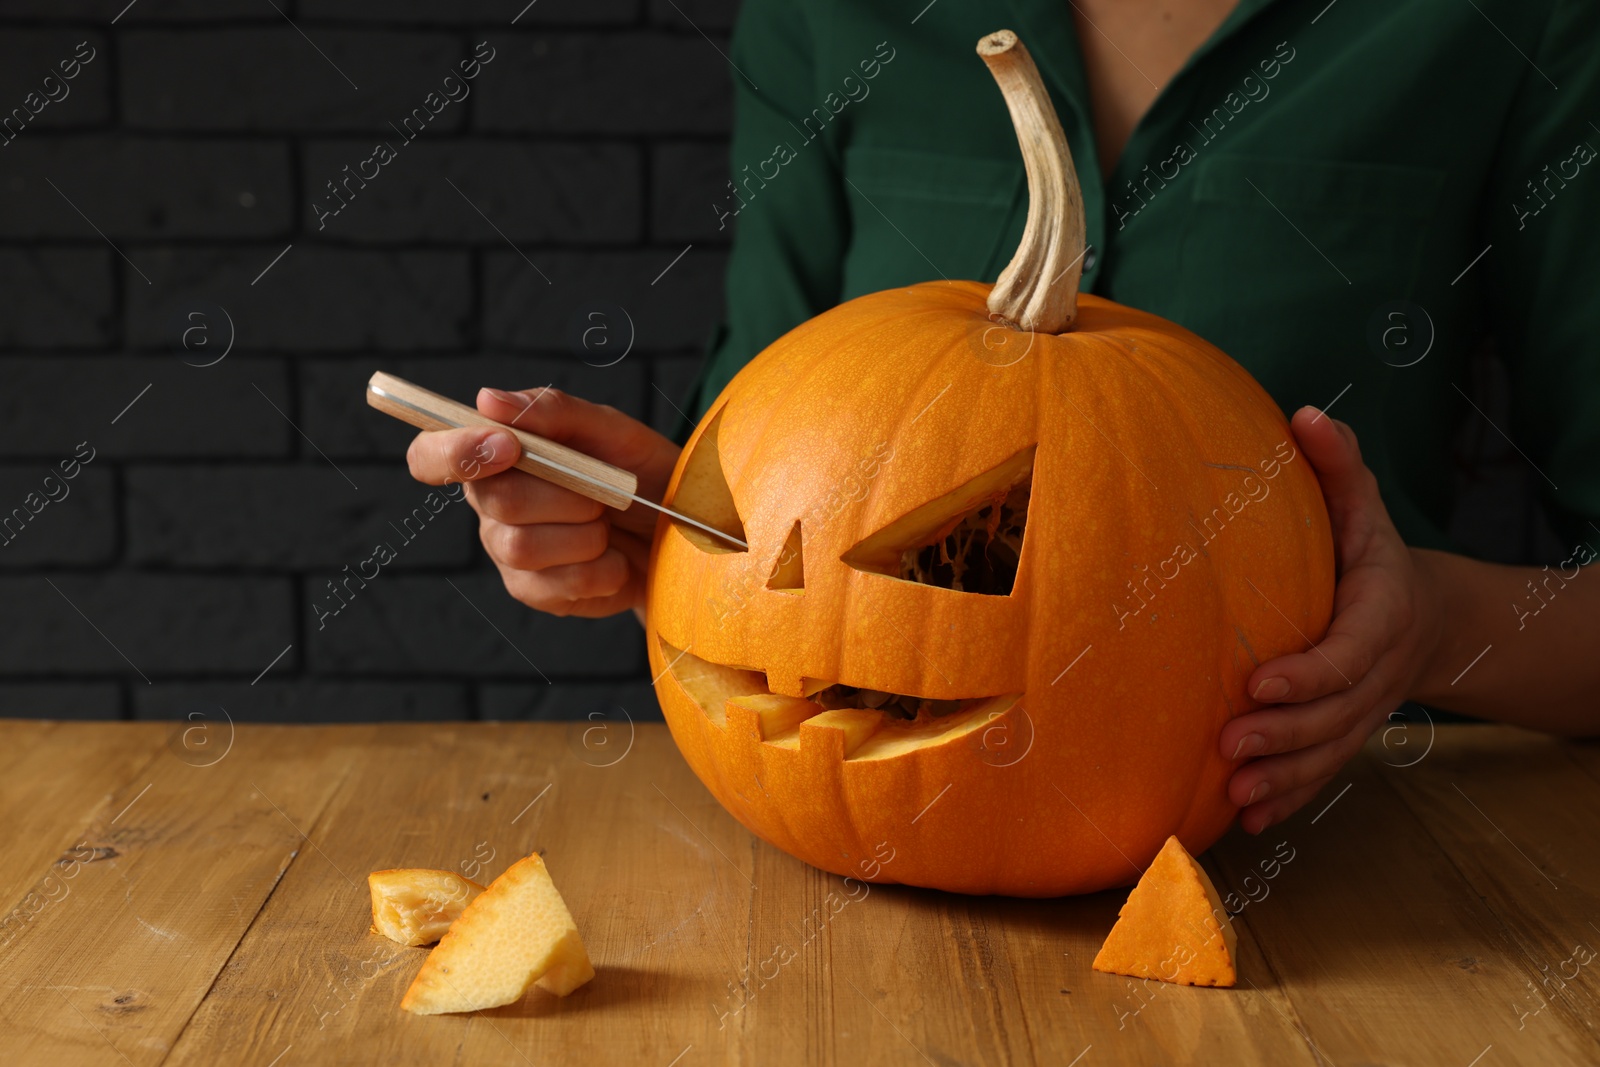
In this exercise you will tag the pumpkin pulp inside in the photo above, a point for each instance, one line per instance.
(977, 552)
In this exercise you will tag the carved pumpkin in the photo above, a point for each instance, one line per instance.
(1012, 554)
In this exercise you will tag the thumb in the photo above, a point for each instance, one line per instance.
(1355, 506)
(598, 430)
(1331, 447)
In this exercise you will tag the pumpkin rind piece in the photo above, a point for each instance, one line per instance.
(517, 933)
(1169, 928)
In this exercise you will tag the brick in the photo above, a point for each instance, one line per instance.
(285, 516)
(57, 298)
(672, 375)
(164, 623)
(76, 522)
(570, 83)
(675, 312)
(27, 57)
(60, 700)
(185, 188)
(50, 404)
(275, 79)
(688, 183)
(314, 298)
(602, 710)
(574, 193)
(704, 15)
(329, 388)
(420, 625)
(216, 704)
(492, 13)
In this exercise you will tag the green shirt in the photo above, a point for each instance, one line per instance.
(1347, 198)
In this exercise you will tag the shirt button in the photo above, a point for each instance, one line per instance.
(1088, 260)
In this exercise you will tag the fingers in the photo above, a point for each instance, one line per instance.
(602, 586)
(544, 545)
(438, 457)
(1276, 778)
(1331, 447)
(1372, 604)
(585, 569)
(596, 429)
(1350, 489)
(518, 499)
(1288, 728)
(1311, 744)
(635, 547)
(1364, 626)
(1257, 817)
(1331, 697)
(556, 551)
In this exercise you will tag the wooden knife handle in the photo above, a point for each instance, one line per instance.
(566, 467)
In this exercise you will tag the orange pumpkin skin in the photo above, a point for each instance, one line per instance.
(1126, 653)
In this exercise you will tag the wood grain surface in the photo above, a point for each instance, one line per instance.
(196, 894)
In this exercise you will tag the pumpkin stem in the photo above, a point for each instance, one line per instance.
(1038, 290)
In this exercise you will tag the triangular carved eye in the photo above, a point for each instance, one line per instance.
(969, 539)
(703, 494)
(788, 572)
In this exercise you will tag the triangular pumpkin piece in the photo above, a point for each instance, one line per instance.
(1169, 928)
(514, 934)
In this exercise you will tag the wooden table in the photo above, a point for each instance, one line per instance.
(195, 894)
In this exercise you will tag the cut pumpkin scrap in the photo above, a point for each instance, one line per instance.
(415, 906)
(516, 934)
(1172, 926)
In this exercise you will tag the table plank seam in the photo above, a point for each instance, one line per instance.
(1296, 1021)
(1580, 1024)
(244, 933)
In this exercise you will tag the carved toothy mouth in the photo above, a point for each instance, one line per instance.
(874, 724)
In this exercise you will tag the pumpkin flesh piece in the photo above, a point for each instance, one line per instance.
(773, 712)
(854, 724)
(415, 906)
(516, 934)
(1169, 928)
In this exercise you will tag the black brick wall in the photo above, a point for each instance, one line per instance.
(198, 542)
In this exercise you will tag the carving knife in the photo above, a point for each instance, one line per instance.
(541, 457)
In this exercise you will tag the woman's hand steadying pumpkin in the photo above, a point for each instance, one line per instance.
(1386, 624)
(557, 551)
